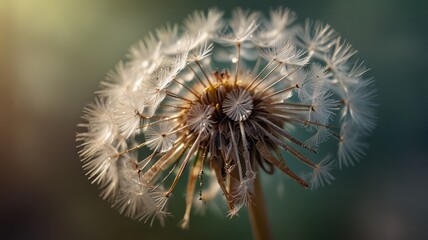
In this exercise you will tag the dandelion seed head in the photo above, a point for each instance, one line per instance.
(228, 95)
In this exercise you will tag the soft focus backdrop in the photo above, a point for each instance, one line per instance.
(54, 53)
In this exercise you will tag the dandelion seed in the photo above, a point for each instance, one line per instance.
(160, 137)
(316, 38)
(206, 26)
(285, 52)
(242, 25)
(171, 100)
(321, 174)
(128, 111)
(278, 28)
(321, 135)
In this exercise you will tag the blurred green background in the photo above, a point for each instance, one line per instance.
(54, 53)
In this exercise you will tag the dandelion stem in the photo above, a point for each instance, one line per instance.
(258, 214)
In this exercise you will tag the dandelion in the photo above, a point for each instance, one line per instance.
(233, 97)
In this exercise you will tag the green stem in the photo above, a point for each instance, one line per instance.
(258, 214)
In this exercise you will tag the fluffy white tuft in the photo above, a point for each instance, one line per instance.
(160, 137)
(285, 52)
(316, 38)
(321, 173)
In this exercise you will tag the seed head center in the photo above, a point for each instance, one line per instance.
(238, 104)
